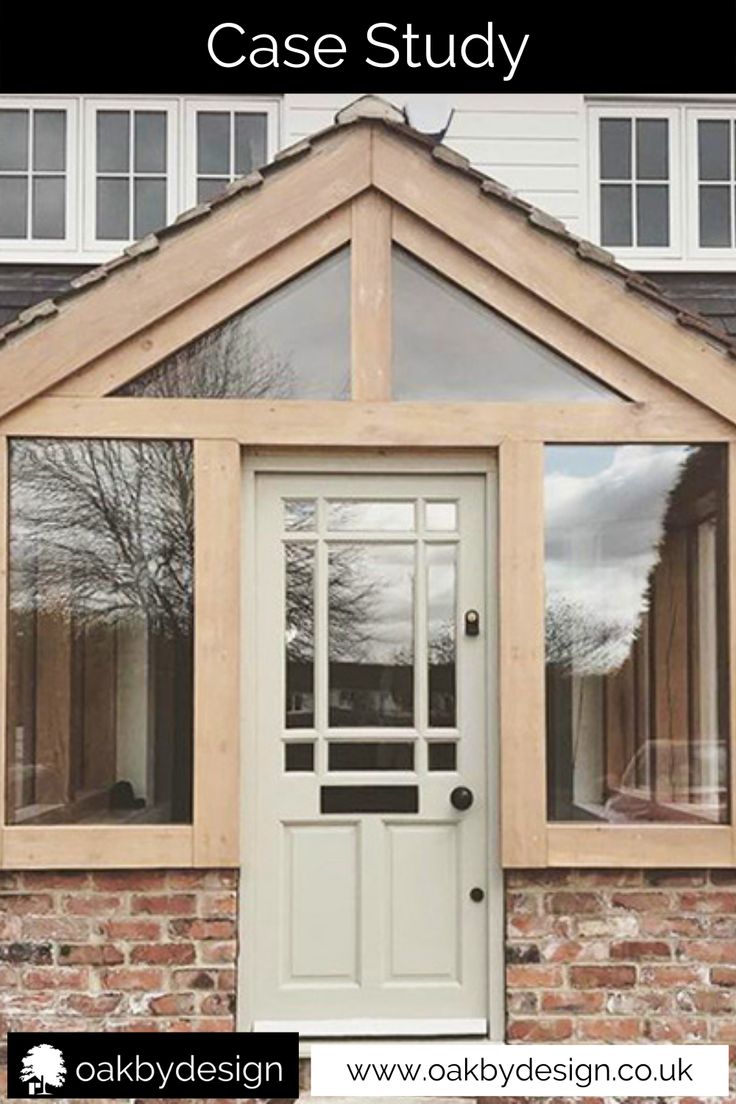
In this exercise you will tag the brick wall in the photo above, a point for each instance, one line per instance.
(627, 956)
(117, 950)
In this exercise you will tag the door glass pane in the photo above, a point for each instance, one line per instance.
(150, 142)
(442, 756)
(250, 142)
(615, 149)
(213, 142)
(300, 513)
(714, 141)
(113, 223)
(371, 635)
(150, 206)
(449, 346)
(299, 628)
(100, 632)
(49, 199)
(652, 154)
(652, 215)
(49, 141)
(293, 344)
(441, 516)
(378, 516)
(375, 756)
(616, 225)
(13, 141)
(299, 757)
(113, 142)
(715, 215)
(636, 631)
(13, 206)
(441, 620)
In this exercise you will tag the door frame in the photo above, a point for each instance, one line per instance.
(399, 461)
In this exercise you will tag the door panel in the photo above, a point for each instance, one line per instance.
(370, 708)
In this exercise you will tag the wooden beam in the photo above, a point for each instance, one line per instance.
(521, 651)
(217, 566)
(99, 846)
(651, 845)
(517, 303)
(4, 531)
(353, 424)
(731, 635)
(212, 307)
(501, 236)
(184, 266)
(372, 306)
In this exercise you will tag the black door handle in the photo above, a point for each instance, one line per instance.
(461, 798)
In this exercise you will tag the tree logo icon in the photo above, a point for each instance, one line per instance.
(43, 1065)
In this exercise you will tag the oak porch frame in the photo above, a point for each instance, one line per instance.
(368, 190)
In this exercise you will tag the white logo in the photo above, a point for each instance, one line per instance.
(43, 1065)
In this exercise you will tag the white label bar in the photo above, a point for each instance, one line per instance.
(495, 1069)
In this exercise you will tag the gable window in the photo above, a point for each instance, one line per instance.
(34, 175)
(634, 181)
(132, 182)
(716, 181)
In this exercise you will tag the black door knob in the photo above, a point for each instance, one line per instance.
(461, 798)
(476, 894)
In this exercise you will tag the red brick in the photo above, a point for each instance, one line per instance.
(540, 1031)
(133, 931)
(163, 954)
(55, 879)
(602, 977)
(575, 1001)
(27, 904)
(172, 1004)
(708, 951)
(55, 977)
(195, 979)
(645, 901)
(8, 977)
(217, 1004)
(214, 953)
(91, 954)
(214, 905)
(724, 975)
(534, 977)
(667, 976)
(85, 1004)
(133, 977)
(708, 901)
(640, 950)
(575, 903)
(612, 1029)
(212, 1023)
(93, 904)
(164, 904)
(680, 1029)
(129, 880)
(226, 980)
(62, 928)
(202, 929)
(724, 1032)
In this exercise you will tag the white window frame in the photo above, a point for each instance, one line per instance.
(632, 254)
(90, 240)
(724, 253)
(269, 108)
(41, 249)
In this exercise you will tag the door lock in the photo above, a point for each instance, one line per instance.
(472, 623)
(461, 798)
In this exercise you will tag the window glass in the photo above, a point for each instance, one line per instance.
(100, 632)
(132, 160)
(294, 343)
(717, 183)
(636, 605)
(449, 346)
(33, 174)
(634, 159)
(229, 144)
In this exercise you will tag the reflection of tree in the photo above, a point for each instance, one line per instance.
(442, 643)
(228, 362)
(578, 642)
(351, 603)
(105, 526)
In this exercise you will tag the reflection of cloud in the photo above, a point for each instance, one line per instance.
(603, 531)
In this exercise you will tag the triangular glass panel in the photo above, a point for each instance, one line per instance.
(450, 347)
(292, 344)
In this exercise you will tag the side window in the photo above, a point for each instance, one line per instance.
(634, 161)
(716, 179)
(228, 144)
(33, 174)
(131, 168)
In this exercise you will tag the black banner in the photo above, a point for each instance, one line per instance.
(235, 49)
(108, 1066)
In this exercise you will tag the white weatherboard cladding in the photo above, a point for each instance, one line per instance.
(534, 144)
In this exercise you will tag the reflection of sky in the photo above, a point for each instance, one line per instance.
(385, 619)
(605, 508)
